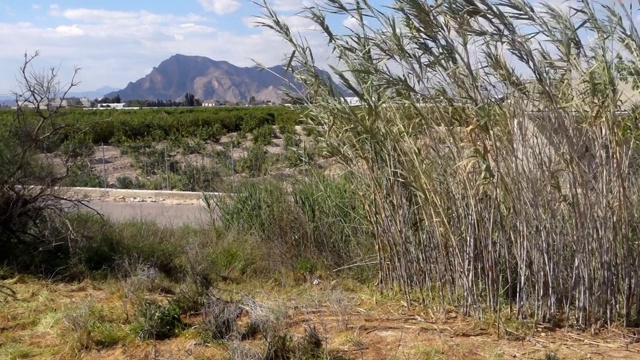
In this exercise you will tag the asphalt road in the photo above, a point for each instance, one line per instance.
(166, 214)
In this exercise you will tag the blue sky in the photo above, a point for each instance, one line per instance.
(114, 42)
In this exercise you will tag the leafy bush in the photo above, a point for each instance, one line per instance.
(262, 136)
(155, 321)
(255, 164)
(117, 127)
(201, 178)
(82, 176)
(125, 182)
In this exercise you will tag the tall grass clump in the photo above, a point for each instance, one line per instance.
(494, 146)
(315, 218)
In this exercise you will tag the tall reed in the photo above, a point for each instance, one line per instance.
(500, 170)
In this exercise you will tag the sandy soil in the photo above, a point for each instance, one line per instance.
(109, 160)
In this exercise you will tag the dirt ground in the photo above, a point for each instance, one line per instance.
(354, 324)
(109, 160)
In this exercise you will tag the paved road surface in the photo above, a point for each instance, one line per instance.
(167, 214)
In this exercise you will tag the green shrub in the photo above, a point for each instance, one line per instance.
(263, 135)
(235, 259)
(155, 321)
(125, 182)
(287, 129)
(82, 176)
(255, 121)
(256, 163)
(201, 178)
(79, 147)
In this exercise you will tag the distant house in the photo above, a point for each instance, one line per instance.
(85, 102)
(111, 106)
(214, 103)
(44, 104)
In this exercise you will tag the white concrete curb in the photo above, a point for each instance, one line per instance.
(96, 193)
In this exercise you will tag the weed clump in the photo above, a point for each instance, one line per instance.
(219, 317)
(155, 321)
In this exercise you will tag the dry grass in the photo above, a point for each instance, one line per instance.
(352, 325)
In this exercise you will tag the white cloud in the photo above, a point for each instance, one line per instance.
(562, 5)
(36, 7)
(351, 23)
(73, 30)
(220, 7)
(115, 47)
(289, 5)
(300, 23)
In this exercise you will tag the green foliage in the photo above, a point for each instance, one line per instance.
(155, 321)
(81, 175)
(200, 178)
(307, 266)
(316, 218)
(154, 160)
(234, 260)
(256, 163)
(628, 71)
(125, 182)
(262, 136)
(291, 141)
(78, 147)
(207, 124)
(254, 121)
(287, 128)
(91, 327)
(253, 208)
(297, 153)
(97, 248)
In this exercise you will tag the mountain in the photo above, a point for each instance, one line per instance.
(95, 94)
(208, 80)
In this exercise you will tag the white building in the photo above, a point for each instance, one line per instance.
(111, 106)
(44, 104)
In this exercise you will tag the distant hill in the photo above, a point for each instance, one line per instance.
(95, 94)
(208, 80)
